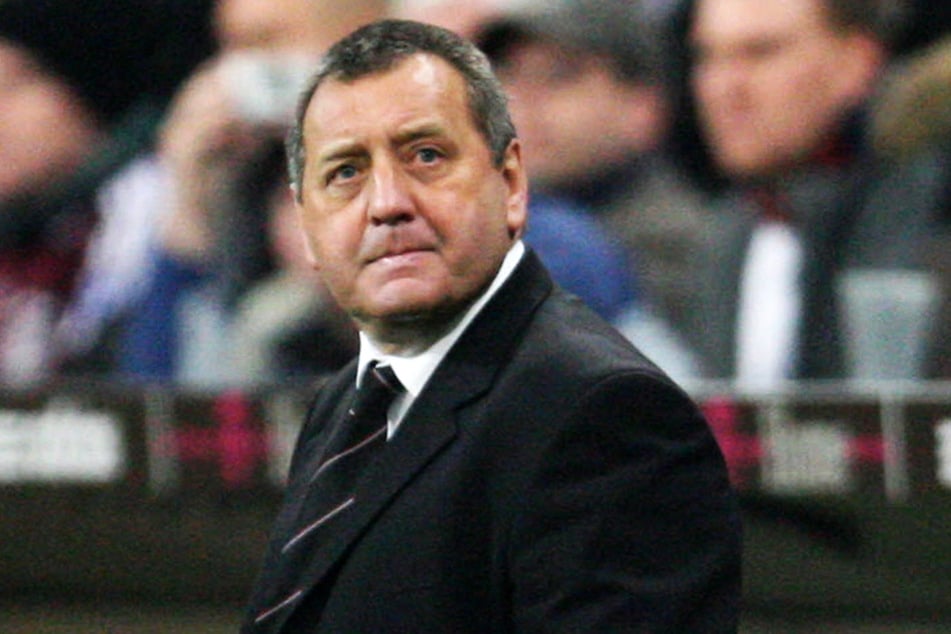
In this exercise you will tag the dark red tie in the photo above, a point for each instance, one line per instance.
(348, 454)
(352, 446)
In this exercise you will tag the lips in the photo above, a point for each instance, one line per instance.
(396, 245)
(398, 260)
(400, 253)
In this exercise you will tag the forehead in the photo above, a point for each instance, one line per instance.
(739, 19)
(420, 89)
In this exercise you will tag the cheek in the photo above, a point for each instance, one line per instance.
(798, 79)
(709, 81)
(324, 240)
(329, 250)
(489, 230)
(311, 245)
(799, 100)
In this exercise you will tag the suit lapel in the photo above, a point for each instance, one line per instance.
(465, 374)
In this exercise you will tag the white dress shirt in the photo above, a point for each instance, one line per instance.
(770, 307)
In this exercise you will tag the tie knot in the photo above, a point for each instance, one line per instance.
(377, 391)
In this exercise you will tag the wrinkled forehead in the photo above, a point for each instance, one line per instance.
(421, 92)
(417, 76)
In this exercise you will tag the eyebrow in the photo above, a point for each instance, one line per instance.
(339, 150)
(344, 149)
(421, 131)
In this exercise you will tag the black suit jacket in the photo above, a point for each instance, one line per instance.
(547, 479)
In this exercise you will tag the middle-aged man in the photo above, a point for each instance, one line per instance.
(588, 92)
(538, 473)
(782, 89)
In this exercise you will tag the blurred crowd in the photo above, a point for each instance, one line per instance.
(753, 191)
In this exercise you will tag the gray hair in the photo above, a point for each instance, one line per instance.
(380, 46)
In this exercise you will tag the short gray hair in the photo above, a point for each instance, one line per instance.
(380, 46)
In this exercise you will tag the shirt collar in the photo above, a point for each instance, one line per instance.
(414, 371)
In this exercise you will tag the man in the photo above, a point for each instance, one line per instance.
(781, 87)
(776, 80)
(538, 473)
(589, 98)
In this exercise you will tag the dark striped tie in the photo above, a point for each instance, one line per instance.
(349, 453)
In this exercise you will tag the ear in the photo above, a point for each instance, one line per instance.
(516, 184)
(312, 258)
(860, 65)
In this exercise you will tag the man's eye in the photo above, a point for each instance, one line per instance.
(342, 173)
(428, 155)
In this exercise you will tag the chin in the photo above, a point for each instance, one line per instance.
(433, 315)
(740, 167)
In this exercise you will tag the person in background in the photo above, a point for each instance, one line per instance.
(586, 79)
(82, 87)
(497, 457)
(911, 133)
(213, 243)
(782, 90)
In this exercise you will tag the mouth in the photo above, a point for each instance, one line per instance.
(400, 256)
(398, 248)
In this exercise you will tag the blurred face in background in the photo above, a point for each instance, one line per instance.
(45, 130)
(572, 112)
(773, 79)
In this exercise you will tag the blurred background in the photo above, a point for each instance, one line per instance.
(755, 192)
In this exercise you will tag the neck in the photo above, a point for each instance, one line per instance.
(409, 335)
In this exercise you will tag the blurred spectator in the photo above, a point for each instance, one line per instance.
(782, 89)
(82, 86)
(589, 101)
(911, 132)
(223, 125)
(913, 112)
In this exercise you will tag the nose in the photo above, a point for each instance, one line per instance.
(389, 198)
